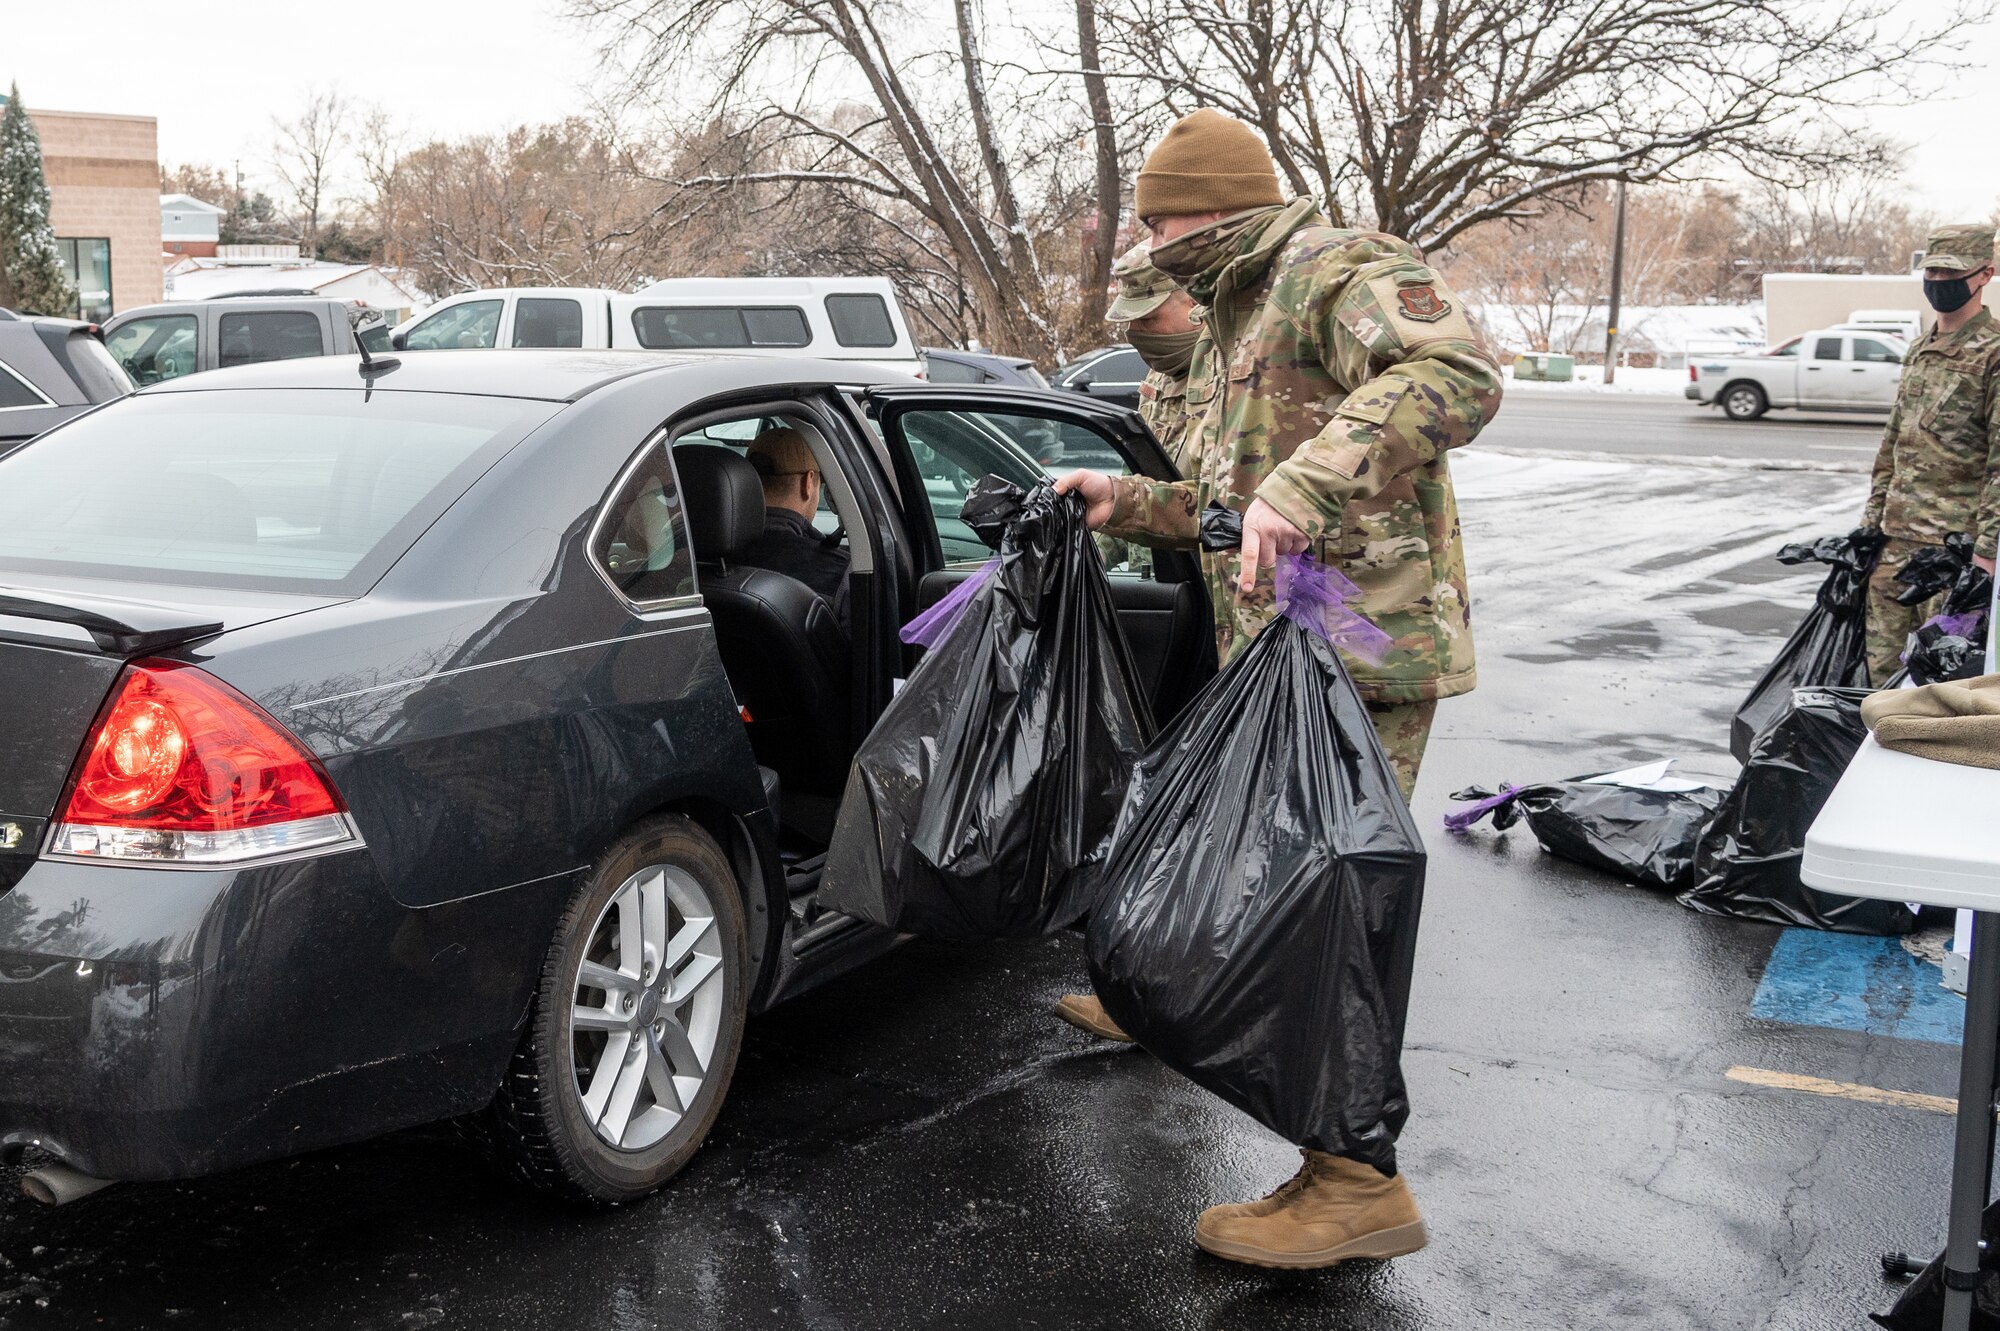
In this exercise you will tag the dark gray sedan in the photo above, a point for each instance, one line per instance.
(384, 743)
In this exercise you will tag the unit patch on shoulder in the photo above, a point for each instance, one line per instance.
(1422, 303)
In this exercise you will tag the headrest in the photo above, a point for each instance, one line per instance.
(724, 500)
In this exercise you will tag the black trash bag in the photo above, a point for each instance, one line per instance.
(1646, 837)
(996, 771)
(1920, 1307)
(1830, 645)
(1952, 644)
(1747, 863)
(1263, 885)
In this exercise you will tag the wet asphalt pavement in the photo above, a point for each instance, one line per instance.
(920, 1144)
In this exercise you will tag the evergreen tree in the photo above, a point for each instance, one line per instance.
(32, 279)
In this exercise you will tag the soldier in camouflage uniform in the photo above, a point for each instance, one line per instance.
(1156, 313)
(1334, 371)
(1938, 470)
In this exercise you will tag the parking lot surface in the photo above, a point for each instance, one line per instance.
(1604, 1132)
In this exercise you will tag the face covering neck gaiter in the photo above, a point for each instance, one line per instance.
(1948, 295)
(1205, 249)
(1169, 353)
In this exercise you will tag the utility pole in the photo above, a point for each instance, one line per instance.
(1617, 288)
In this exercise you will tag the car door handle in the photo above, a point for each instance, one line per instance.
(1813, 369)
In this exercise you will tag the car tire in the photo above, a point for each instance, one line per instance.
(583, 1111)
(1744, 402)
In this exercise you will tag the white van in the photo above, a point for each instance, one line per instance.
(829, 318)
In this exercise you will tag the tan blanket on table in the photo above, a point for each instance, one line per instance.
(1947, 723)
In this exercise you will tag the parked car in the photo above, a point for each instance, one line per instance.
(51, 370)
(1833, 369)
(1112, 373)
(159, 342)
(949, 365)
(853, 319)
(400, 742)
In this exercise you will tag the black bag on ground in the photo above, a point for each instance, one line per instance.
(998, 768)
(1646, 837)
(1920, 1307)
(1263, 885)
(1830, 645)
(1747, 864)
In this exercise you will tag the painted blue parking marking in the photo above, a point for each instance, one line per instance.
(1853, 983)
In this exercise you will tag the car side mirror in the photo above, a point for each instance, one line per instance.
(400, 339)
(1080, 384)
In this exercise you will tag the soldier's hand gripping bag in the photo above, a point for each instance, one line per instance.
(1747, 861)
(997, 769)
(1830, 645)
(1263, 885)
(1952, 644)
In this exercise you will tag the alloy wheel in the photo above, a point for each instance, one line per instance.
(647, 1009)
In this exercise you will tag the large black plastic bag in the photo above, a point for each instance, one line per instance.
(1830, 645)
(998, 768)
(1644, 836)
(1747, 864)
(1263, 886)
(1952, 644)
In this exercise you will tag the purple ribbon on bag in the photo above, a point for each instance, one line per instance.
(1959, 626)
(935, 624)
(1472, 813)
(1315, 597)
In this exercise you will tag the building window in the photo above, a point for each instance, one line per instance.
(88, 263)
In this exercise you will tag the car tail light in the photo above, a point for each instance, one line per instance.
(1692, 376)
(181, 768)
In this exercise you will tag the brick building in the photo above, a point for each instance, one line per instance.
(104, 195)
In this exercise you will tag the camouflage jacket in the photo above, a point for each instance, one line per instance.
(1938, 470)
(1163, 406)
(1334, 371)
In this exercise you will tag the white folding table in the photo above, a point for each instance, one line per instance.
(1902, 828)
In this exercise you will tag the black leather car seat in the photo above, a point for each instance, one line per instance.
(784, 650)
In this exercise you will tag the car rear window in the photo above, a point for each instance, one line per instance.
(279, 490)
(860, 321)
(16, 391)
(248, 339)
(719, 327)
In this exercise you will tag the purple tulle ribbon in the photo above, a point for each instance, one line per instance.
(1314, 596)
(1960, 626)
(1472, 813)
(935, 624)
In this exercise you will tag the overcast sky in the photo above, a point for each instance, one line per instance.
(214, 75)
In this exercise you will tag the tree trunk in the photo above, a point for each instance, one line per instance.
(1104, 247)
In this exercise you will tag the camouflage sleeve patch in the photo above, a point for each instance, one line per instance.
(1417, 308)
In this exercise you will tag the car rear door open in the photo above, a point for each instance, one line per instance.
(942, 438)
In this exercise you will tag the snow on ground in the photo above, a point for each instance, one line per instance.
(1590, 379)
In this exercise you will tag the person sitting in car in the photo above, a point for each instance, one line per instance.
(791, 545)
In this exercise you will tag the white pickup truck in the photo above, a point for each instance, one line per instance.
(1833, 369)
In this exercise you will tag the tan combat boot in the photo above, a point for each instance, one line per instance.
(1332, 1210)
(1085, 1011)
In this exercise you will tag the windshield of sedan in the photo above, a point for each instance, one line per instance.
(296, 490)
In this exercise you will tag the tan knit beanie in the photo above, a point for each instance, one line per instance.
(1207, 162)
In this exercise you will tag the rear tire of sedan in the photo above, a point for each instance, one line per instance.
(1744, 402)
(635, 1029)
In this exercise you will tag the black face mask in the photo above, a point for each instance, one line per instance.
(1948, 295)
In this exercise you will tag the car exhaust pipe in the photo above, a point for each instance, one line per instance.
(59, 1185)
